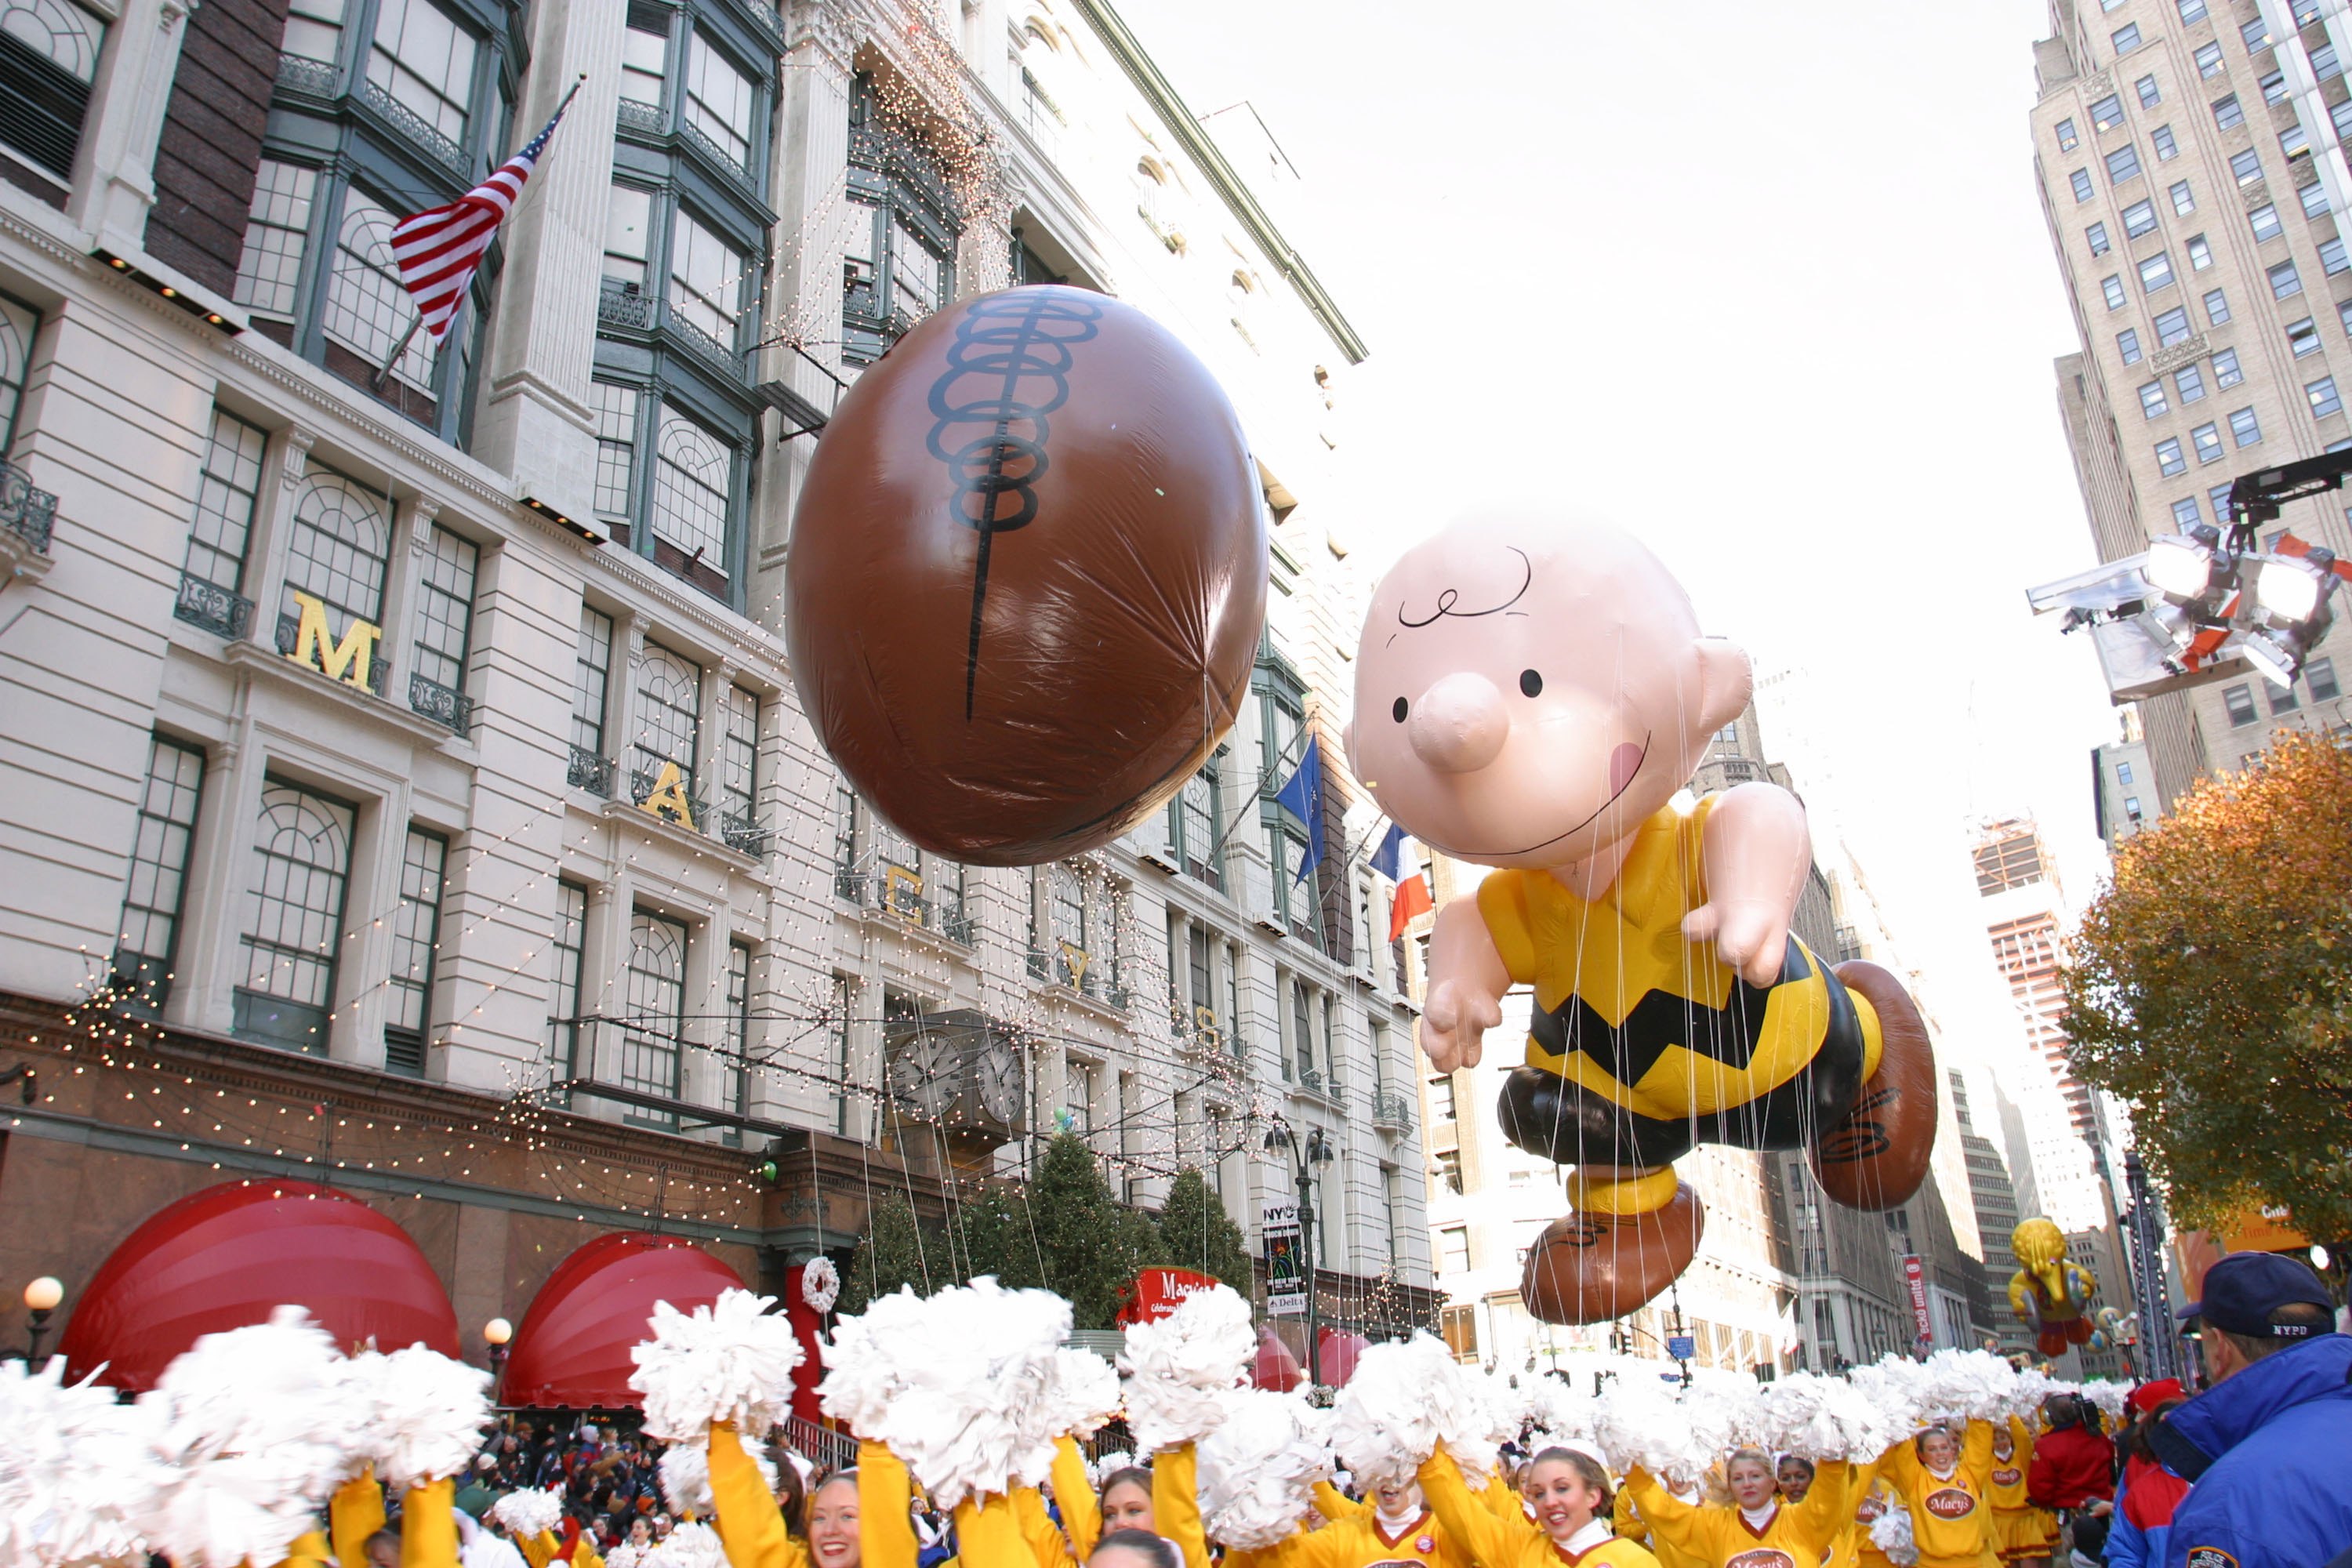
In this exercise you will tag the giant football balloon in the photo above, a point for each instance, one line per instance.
(1028, 575)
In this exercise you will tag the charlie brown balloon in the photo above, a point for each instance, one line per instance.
(1534, 697)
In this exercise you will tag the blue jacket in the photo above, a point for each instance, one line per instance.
(2270, 1451)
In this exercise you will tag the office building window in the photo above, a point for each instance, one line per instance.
(2324, 63)
(2126, 38)
(415, 938)
(2274, 88)
(2193, 11)
(2303, 337)
(2210, 63)
(2156, 272)
(2207, 438)
(2151, 400)
(616, 447)
(339, 553)
(147, 940)
(2081, 181)
(739, 758)
(2127, 345)
(2190, 383)
(2172, 326)
(2183, 202)
(2247, 166)
(904, 229)
(2285, 281)
(592, 679)
(2139, 219)
(2264, 221)
(2148, 95)
(1453, 1241)
(294, 918)
(2166, 149)
(2240, 701)
(1302, 1034)
(2294, 140)
(709, 279)
(2169, 459)
(2344, 316)
(2257, 35)
(645, 57)
(563, 997)
(2067, 139)
(2219, 496)
(1193, 825)
(2319, 673)
(2217, 306)
(694, 476)
(48, 63)
(2123, 163)
(228, 494)
(2200, 254)
(2227, 113)
(367, 311)
(2282, 699)
(720, 103)
(2225, 368)
(2124, 770)
(422, 62)
(2107, 113)
(2112, 288)
(2314, 198)
(2097, 234)
(735, 1070)
(2331, 258)
(628, 237)
(2244, 428)
(669, 723)
(2185, 516)
(276, 232)
(445, 619)
(654, 1003)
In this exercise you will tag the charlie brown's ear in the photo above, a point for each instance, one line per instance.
(1726, 681)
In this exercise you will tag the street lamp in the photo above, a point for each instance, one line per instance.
(1316, 1149)
(496, 1334)
(41, 1298)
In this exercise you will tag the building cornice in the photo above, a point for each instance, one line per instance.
(1211, 160)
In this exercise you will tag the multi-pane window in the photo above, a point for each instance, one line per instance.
(2112, 288)
(2210, 63)
(2219, 498)
(2201, 253)
(903, 224)
(2123, 163)
(2067, 139)
(669, 724)
(693, 474)
(415, 938)
(2126, 38)
(48, 60)
(735, 1072)
(2274, 88)
(339, 551)
(565, 954)
(2324, 63)
(445, 619)
(738, 757)
(2139, 219)
(2107, 113)
(228, 493)
(2127, 345)
(2264, 221)
(2185, 516)
(294, 917)
(591, 681)
(2239, 702)
(2247, 166)
(2207, 438)
(2156, 272)
(645, 56)
(2319, 675)
(718, 102)
(705, 280)
(2244, 428)
(2166, 149)
(2257, 35)
(2081, 181)
(2282, 699)
(147, 940)
(2097, 234)
(276, 232)
(314, 31)
(367, 310)
(2303, 337)
(2147, 90)
(423, 62)
(2331, 257)
(2217, 306)
(2228, 114)
(2314, 198)
(2294, 140)
(1193, 825)
(2344, 316)
(2151, 399)
(2172, 326)
(1200, 970)
(2192, 11)
(1302, 1040)
(653, 1008)
(2190, 383)
(2184, 201)
(840, 1064)
(18, 324)
(616, 447)
(2168, 460)
(2225, 368)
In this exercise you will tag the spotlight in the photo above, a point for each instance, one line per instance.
(2191, 569)
(2291, 588)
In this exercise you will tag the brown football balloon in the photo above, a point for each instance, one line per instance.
(1028, 575)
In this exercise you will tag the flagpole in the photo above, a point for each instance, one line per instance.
(376, 382)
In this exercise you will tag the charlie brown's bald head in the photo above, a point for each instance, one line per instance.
(1527, 690)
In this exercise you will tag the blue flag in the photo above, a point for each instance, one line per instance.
(1304, 795)
(1386, 859)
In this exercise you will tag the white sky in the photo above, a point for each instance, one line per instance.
(1768, 284)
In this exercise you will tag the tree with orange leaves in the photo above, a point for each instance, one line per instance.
(2210, 988)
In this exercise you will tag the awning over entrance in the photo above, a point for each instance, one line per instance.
(573, 1349)
(222, 1258)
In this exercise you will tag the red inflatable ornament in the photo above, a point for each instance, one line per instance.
(1027, 576)
(573, 1348)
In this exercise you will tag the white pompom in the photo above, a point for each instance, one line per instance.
(422, 1414)
(862, 1375)
(527, 1513)
(820, 1284)
(689, 1545)
(1640, 1422)
(1823, 1419)
(2112, 1398)
(1177, 1368)
(75, 1470)
(1404, 1399)
(622, 1556)
(1891, 1534)
(1083, 1395)
(1110, 1464)
(1258, 1468)
(254, 1430)
(731, 1361)
(686, 1476)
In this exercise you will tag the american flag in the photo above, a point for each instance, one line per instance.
(439, 248)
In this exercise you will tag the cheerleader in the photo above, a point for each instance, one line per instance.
(1755, 1530)
(1570, 1492)
(1946, 1482)
(1394, 1530)
(1625, 1517)
(2022, 1533)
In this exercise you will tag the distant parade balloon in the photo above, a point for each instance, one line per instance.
(1027, 576)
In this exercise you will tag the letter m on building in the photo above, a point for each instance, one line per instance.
(351, 660)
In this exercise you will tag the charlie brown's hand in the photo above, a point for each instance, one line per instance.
(1454, 1018)
(1751, 935)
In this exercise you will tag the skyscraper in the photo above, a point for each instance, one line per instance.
(2190, 161)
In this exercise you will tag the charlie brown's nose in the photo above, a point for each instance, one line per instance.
(1459, 724)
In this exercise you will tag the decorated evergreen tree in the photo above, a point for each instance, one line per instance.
(895, 1250)
(1089, 1245)
(1196, 1233)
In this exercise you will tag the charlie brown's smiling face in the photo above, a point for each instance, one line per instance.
(1528, 691)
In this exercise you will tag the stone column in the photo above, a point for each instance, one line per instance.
(125, 122)
(219, 876)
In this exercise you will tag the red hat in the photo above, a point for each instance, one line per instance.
(2149, 1396)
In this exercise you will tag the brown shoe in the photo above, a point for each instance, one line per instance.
(1594, 1268)
(1875, 1155)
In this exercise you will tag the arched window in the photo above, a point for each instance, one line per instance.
(293, 932)
(338, 554)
